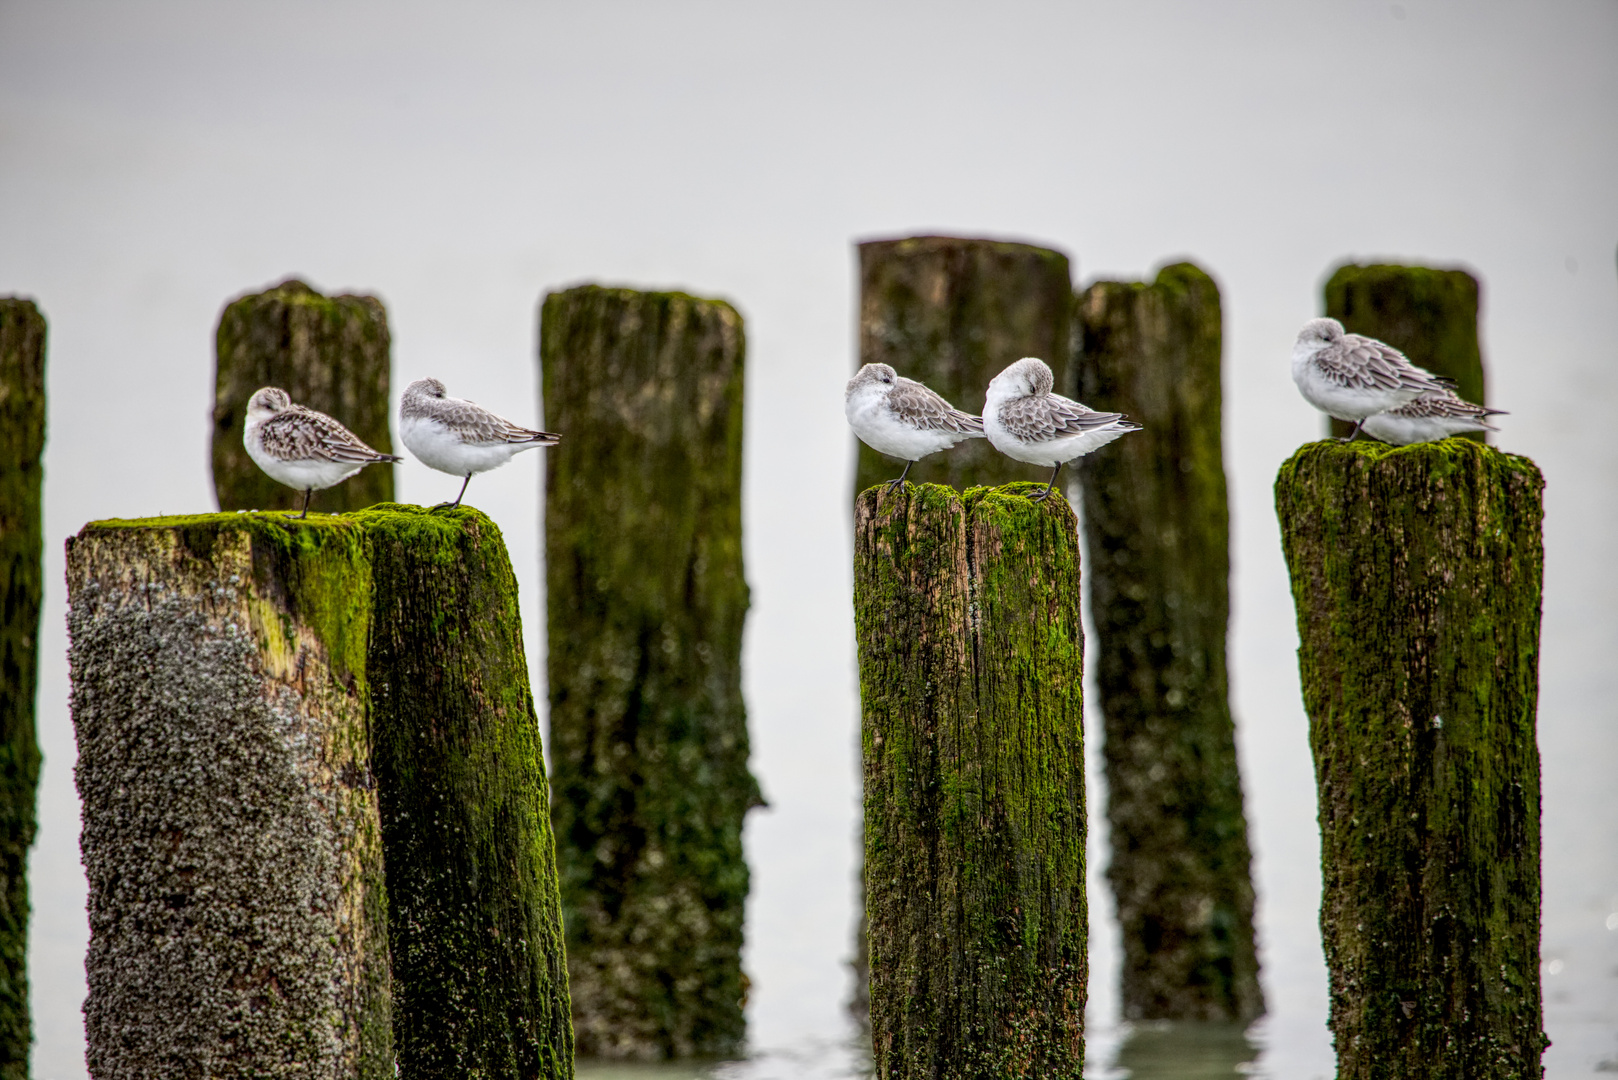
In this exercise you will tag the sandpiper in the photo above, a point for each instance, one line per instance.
(1026, 422)
(902, 418)
(1351, 377)
(460, 437)
(1435, 415)
(300, 447)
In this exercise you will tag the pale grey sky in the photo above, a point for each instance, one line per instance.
(157, 159)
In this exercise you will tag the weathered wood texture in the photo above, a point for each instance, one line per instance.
(646, 603)
(22, 443)
(330, 354)
(1158, 526)
(971, 648)
(315, 819)
(952, 313)
(480, 974)
(1429, 315)
(1416, 573)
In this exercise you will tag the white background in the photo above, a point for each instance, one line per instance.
(157, 159)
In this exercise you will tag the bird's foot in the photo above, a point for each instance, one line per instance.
(1041, 497)
(893, 485)
(443, 506)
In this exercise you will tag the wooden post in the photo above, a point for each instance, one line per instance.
(971, 658)
(315, 817)
(1417, 573)
(479, 971)
(646, 602)
(22, 443)
(1158, 524)
(1429, 315)
(330, 354)
(952, 313)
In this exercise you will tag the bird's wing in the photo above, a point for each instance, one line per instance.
(1362, 363)
(1051, 416)
(477, 426)
(920, 407)
(300, 434)
(1443, 405)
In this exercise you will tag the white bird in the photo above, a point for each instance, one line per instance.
(902, 418)
(460, 437)
(1436, 415)
(300, 447)
(1026, 422)
(1352, 377)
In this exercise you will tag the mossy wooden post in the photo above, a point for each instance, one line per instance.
(1429, 315)
(22, 443)
(315, 816)
(951, 313)
(230, 830)
(1158, 523)
(1417, 573)
(643, 559)
(330, 354)
(971, 660)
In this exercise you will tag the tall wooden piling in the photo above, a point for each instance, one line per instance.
(971, 685)
(315, 821)
(1416, 573)
(22, 444)
(646, 601)
(330, 354)
(1158, 524)
(951, 313)
(1430, 315)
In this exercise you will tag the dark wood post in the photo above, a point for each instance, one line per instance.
(952, 313)
(1429, 315)
(1417, 574)
(646, 597)
(315, 816)
(22, 444)
(329, 353)
(971, 658)
(1158, 524)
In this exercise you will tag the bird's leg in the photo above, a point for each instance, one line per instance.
(1352, 435)
(1043, 495)
(306, 493)
(894, 485)
(458, 498)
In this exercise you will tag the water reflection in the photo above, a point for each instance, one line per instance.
(1164, 1051)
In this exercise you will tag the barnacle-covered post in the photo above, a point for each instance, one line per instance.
(1430, 315)
(238, 914)
(315, 817)
(1416, 573)
(1158, 523)
(966, 613)
(649, 747)
(22, 443)
(330, 354)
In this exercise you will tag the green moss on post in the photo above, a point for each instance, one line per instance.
(1429, 315)
(329, 353)
(1417, 573)
(22, 442)
(230, 837)
(952, 313)
(646, 602)
(1157, 520)
(480, 977)
(966, 613)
